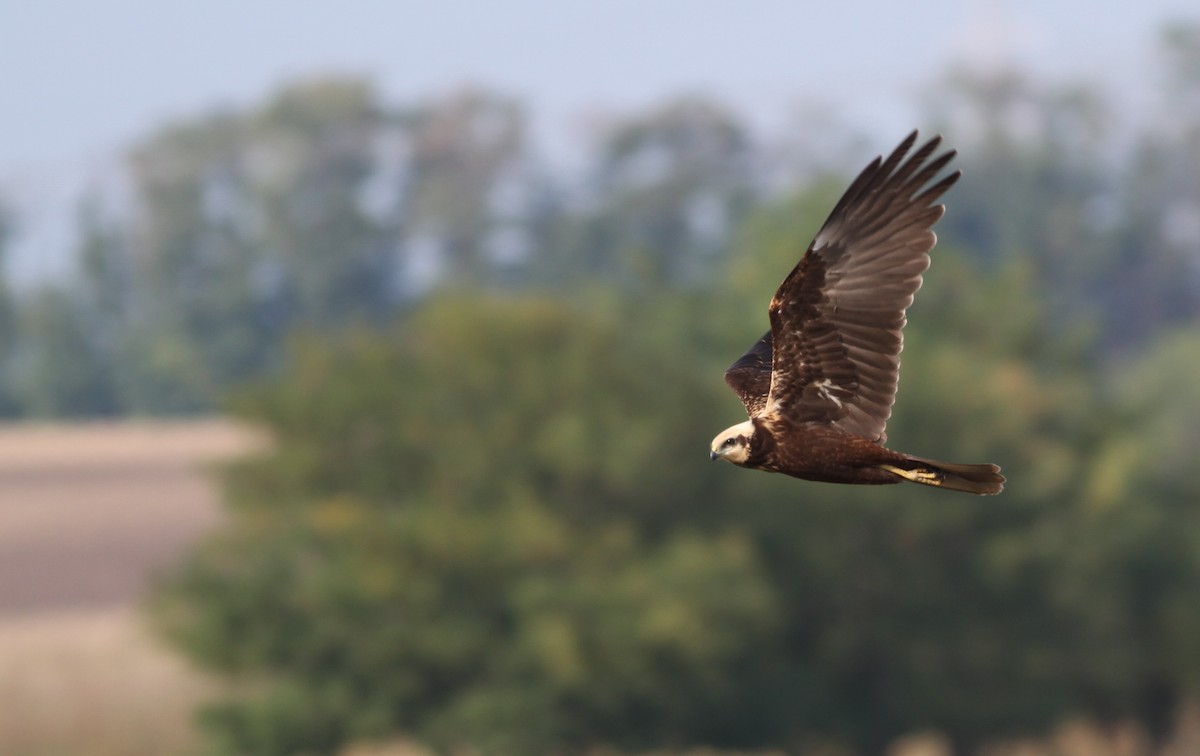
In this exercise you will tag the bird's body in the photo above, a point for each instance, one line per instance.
(819, 386)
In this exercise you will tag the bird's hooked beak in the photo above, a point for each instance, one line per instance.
(733, 444)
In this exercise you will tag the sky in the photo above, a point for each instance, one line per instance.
(79, 81)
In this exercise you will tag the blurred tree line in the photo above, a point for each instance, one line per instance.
(326, 206)
(488, 519)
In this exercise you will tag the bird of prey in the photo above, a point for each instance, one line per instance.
(819, 386)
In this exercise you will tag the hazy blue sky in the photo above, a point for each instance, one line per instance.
(81, 79)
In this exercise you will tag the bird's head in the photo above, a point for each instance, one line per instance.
(733, 444)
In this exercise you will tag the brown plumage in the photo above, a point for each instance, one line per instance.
(819, 386)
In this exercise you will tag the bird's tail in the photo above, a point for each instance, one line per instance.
(977, 479)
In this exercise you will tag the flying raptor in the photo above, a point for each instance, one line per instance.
(819, 386)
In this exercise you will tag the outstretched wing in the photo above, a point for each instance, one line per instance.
(837, 320)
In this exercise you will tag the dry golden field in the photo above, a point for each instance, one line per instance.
(88, 514)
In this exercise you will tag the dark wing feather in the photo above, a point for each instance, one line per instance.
(837, 320)
(750, 376)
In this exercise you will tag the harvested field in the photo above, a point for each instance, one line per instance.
(93, 682)
(88, 514)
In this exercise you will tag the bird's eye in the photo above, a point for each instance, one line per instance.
(728, 442)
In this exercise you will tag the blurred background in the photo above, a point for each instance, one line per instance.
(358, 365)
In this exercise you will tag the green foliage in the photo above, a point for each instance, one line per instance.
(673, 184)
(486, 543)
(533, 368)
(56, 335)
(8, 404)
(487, 532)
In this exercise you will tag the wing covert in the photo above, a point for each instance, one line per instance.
(837, 320)
(750, 376)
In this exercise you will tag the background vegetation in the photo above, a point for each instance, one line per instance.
(488, 519)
